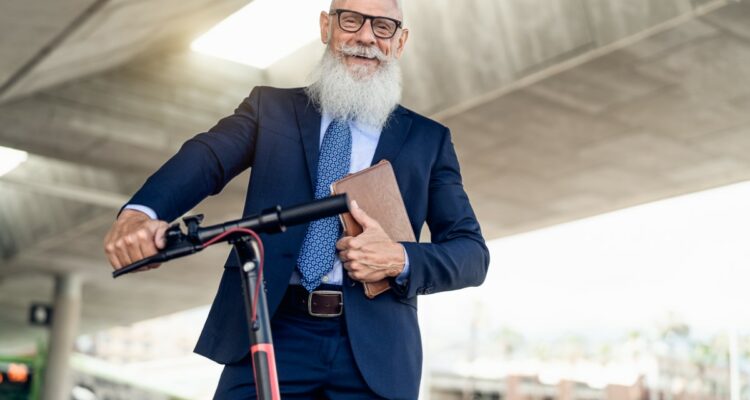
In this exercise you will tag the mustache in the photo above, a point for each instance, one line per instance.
(363, 51)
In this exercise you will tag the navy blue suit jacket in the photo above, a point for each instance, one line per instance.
(276, 133)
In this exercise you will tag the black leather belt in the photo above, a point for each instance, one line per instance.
(325, 302)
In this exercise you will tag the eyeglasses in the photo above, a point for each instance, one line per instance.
(352, 21)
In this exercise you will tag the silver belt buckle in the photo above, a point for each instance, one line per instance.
(325, 292)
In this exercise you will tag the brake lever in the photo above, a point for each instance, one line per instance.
(177, 244)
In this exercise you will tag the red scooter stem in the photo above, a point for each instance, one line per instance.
(254, 295)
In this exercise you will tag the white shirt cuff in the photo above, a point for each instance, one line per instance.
(146, 210)
(403, 277)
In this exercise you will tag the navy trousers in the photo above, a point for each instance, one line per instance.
(313, 358)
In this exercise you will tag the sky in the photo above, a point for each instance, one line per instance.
(614, 273)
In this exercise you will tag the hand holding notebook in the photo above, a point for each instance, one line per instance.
(376, 191)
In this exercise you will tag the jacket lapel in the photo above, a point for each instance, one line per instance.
(308, 120)
(392, 137)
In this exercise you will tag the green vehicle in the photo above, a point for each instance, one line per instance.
(20, 377)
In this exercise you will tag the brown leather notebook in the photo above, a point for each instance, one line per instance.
(376, 192)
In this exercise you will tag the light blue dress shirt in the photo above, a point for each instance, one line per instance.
(364, 143)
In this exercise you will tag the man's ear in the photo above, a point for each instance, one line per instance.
(401, 42)
(325, 23)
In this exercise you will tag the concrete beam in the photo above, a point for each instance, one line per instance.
(70, 192)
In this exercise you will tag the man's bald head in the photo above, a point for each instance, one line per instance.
(396, 3)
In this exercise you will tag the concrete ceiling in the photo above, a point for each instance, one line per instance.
(47, 43)
(665, 116)
(560, 109)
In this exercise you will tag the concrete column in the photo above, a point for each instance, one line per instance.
(67, 313)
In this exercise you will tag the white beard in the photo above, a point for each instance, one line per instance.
(351, 95)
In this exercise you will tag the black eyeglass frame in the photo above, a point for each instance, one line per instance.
(337, 12)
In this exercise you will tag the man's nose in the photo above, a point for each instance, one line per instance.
(366, 35)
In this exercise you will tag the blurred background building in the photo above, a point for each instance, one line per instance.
(605, 145)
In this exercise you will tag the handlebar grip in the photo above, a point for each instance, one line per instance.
(138, 264)
(325, 207)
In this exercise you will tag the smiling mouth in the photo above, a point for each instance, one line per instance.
(363, 57)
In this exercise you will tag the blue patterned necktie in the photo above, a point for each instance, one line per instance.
(319, 247)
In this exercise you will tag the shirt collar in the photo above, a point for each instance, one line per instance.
(367, 130)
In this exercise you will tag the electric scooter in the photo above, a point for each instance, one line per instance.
(243, 235)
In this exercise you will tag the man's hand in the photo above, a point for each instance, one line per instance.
(370, 256)
(133, 237)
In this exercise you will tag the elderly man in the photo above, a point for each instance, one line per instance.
(297, 142)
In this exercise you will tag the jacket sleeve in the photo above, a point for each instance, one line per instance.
(204, 164)
(458, 256)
